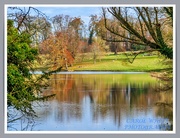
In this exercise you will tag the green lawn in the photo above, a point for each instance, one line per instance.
(111, 62)
(119, 63)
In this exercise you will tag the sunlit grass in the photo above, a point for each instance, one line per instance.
(111, 62)
(119, 62)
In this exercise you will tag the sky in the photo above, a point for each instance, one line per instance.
(83, 12)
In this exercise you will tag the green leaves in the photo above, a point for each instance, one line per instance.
(22, 87)
(20, 83)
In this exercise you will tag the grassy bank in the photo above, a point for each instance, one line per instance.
(111, 62)
(119, 62)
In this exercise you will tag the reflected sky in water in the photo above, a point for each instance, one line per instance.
(104, 102)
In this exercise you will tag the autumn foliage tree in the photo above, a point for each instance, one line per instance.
(75, 36)
(65, 42)
(55, 47)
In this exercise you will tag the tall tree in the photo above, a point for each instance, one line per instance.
(72, 29)
(22, 87)
(75, 35)
(92, 28)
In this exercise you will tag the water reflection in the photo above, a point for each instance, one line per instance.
(105, 102)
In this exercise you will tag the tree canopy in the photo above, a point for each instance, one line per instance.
(22, 87)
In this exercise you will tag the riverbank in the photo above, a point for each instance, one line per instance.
(120, 63)
(111, 62)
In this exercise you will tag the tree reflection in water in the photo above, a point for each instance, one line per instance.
(109, 96)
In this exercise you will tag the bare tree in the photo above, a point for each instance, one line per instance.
(36, 25)
(144, 26)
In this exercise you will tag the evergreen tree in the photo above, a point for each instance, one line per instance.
(22, 86)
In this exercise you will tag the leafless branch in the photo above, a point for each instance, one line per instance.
(135, 54)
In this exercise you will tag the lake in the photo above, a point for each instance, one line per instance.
(104, 101)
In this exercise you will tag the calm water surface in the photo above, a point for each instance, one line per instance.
(104, 102)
